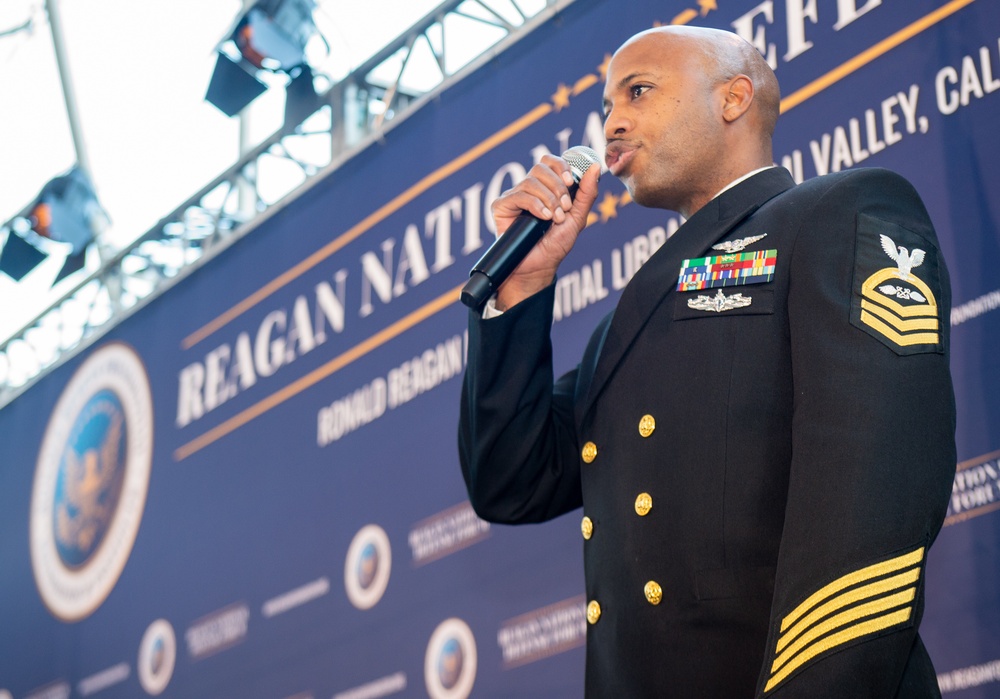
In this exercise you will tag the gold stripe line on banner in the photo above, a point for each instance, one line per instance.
(866, 57)
(585, 83)
(902, 340)
(976, 461)
(848, 634)
(368, 222)
(873, 571)
(312, 378)
(848, 598)
(844, 619)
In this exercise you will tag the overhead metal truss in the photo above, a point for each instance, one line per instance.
(348, 116)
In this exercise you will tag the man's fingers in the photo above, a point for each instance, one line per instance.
(543, 194)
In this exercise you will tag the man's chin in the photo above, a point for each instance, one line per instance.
(639, 195)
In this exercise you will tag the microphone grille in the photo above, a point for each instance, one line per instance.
(580, 158)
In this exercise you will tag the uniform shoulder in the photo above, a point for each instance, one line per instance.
(857, 177)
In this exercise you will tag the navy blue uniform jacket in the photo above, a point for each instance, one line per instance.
(762, 467)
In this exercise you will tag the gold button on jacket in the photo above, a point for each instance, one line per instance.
(643, 504)
(647, 425)
(587, 527)
(654, 593)
(589, 452)
(593, 611)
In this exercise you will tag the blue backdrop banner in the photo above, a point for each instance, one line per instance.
(250, 488)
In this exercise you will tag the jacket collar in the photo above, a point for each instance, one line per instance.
(657, 279)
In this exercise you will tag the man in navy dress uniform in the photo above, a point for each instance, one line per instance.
(761, 435)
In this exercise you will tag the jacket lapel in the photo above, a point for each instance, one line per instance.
(657, 279)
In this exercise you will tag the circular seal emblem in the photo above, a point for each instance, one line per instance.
(157, 655)
(450, 661)
(366, 570)
(91, 481)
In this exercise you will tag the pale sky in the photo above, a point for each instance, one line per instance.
(140, 70)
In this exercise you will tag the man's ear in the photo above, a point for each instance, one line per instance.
(739, 97)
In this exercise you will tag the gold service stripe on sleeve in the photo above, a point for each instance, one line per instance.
(839, 638)
(846, 618)
(893, 565)
(848, 598)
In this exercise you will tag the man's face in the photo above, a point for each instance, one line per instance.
(663, 130)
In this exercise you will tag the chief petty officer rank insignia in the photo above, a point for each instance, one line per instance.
(896, 287)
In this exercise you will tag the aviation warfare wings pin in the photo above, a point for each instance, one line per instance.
(738, 245)
(896, 287)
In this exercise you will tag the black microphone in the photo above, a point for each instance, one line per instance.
(507, 251)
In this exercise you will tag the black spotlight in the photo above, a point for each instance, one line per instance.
(66, 211)
(271, 36)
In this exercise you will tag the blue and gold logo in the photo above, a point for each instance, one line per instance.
(367, 567)
(91, 481)
(157, 656)
(450, 661)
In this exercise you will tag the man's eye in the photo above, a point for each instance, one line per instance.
(638, 90)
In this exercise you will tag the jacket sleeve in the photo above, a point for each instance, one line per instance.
(517, 442)
(873, 450)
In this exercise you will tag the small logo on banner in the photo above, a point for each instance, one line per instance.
(91, 481)
(542, 633)
(367, 567)
(157, 656)
(450, 661)
(727, 270)
(976, 490)
(446, 532)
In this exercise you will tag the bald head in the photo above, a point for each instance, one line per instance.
(688, 110)
(723, 56)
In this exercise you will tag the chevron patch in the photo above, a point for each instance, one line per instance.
(856, 605)
(897, 287)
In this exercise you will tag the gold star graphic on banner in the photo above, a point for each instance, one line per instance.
(685, 16)
(707, 6)
(608, 207)
(560, 99)
(603, 68)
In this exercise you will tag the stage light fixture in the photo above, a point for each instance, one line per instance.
(66, 211)
(270, 37)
